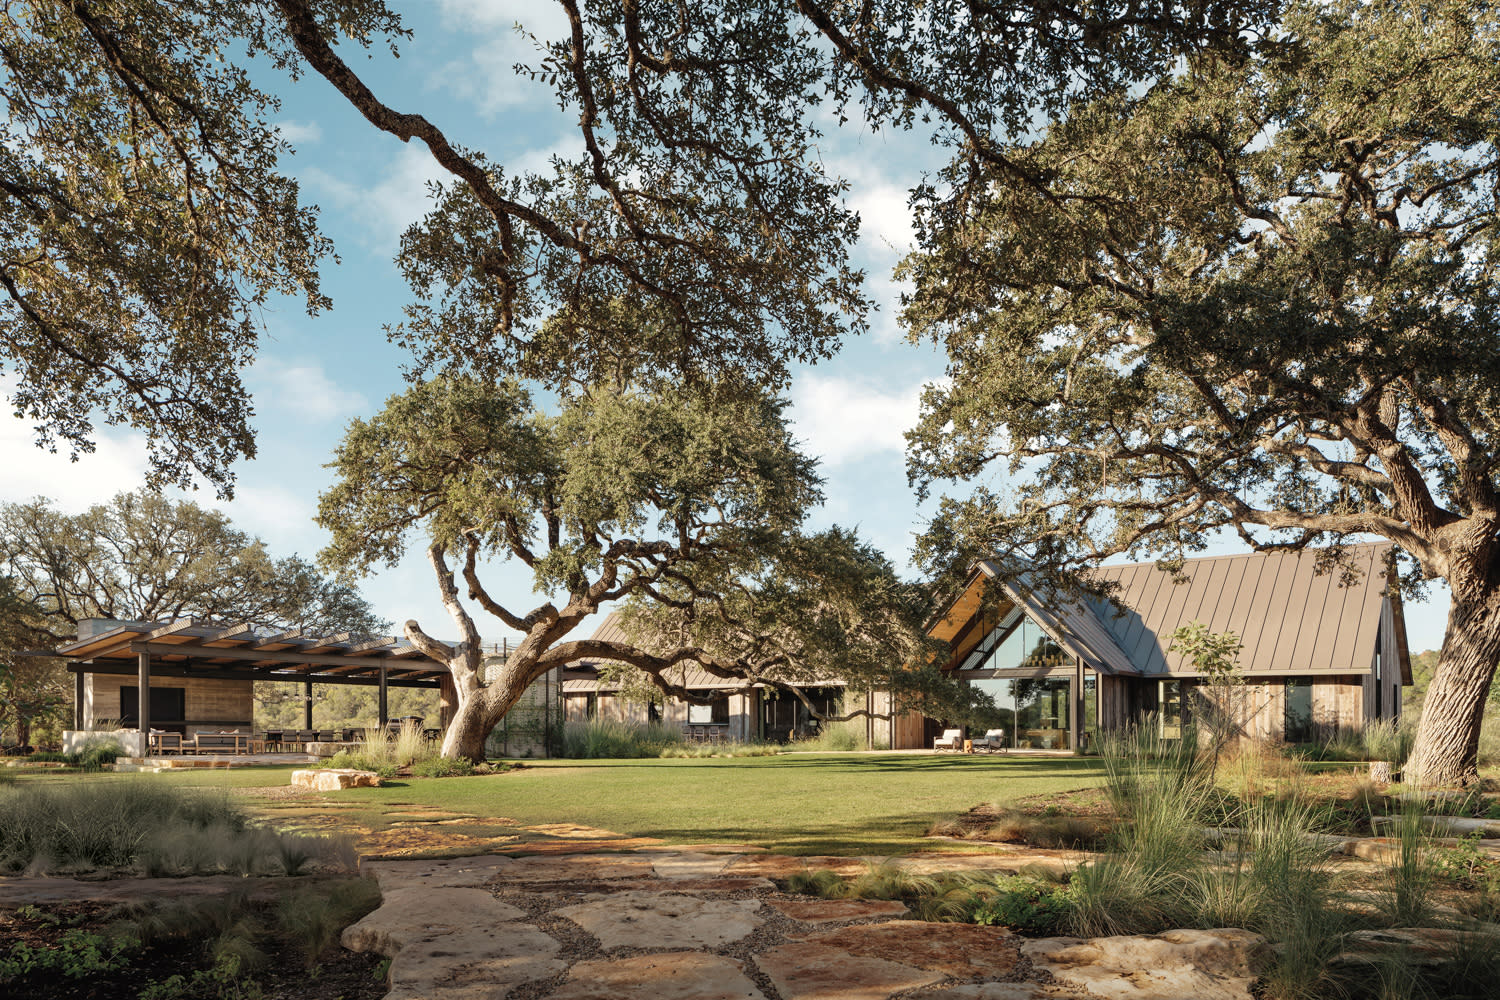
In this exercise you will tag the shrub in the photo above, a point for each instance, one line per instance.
(442, 767)
(834, 737)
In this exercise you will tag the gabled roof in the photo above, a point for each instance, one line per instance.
(1069, 622)
(1290, 617)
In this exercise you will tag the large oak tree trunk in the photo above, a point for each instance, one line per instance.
(480, 709)
(1447, 747)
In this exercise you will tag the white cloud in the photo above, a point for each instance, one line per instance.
(489, 79)
(117, 463)
(844, 420)
(298, 133)
(397, 200)
(300, 388)
(885, 219)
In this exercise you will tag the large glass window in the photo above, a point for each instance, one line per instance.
(715, 713)
(1018, 643)
(1089, 724)
(1298, 724)
(1043, 714)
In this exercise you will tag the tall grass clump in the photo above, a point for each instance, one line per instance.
(1162, 792)
(99, 824)
(143, 826)
(835, 737)
(598, 738)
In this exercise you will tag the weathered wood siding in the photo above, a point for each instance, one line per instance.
(908, 732)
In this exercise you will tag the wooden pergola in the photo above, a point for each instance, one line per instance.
(190, 648)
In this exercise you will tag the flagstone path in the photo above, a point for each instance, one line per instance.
(710, 924)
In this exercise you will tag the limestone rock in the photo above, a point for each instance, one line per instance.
(578, 867)
(652, 920)
(663, 976)
(1204, 965)
(963, 951)
(331, 779)
(804, 970)
(477, 963)
(826, 911)
(416, 913)
(437, 872)
(690, 865)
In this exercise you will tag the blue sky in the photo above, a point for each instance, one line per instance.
(315, 374)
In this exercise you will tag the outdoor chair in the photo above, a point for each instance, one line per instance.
(952, 739)
(166, 742)
(993, 740)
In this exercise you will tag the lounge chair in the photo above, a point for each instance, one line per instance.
(991, 741)
(952, 739)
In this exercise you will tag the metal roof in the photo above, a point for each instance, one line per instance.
(1292, 614)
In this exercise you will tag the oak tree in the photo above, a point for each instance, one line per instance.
(146, 212)
(1258, 296)
(143, 557)
(687, 500)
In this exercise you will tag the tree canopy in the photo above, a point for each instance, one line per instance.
(145, 212)
(1258, 295)
(687, 504)
(143, 557)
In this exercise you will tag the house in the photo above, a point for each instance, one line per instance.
(590, 690)
(199, 676)
(1321, 649)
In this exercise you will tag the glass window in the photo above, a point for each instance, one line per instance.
(1043, 715)
(715, 713)
(1089, 724)
(1024, 646)
(1298, 724)
(1169, 706)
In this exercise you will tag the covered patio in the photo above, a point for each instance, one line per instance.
(186, 686)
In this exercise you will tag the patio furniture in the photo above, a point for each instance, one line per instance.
(274, 738)
(992, 741)
(229, 742)
(165, 742)
(952, 739)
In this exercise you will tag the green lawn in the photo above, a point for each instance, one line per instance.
(799, 804)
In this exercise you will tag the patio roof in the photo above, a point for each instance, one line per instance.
(190, 647)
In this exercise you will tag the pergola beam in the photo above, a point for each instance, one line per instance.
(159, 670)
(240, 653)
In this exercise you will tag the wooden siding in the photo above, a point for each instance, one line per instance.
(212, 704)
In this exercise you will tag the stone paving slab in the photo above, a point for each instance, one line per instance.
(804, 970)
(449, 872)
(691, 865)
(678, 975)
(960, 951)
(477, 963)
(653, 920)
(578, 867)
(421, 912)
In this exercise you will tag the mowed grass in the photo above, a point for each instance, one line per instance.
(797, 804)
